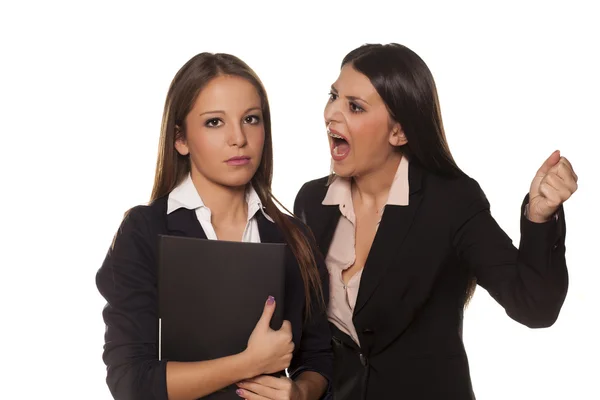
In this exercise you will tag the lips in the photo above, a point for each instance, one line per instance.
(336, 135)
(340, 147)
(238, 160)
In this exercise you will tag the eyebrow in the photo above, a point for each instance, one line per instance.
(352, 98)
(223, 112)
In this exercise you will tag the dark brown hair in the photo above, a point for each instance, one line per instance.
(172, 167)
(408, 89)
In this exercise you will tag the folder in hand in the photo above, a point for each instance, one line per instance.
(211, 294)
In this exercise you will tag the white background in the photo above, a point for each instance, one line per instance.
(82, 87)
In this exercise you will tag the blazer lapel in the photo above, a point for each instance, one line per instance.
(183, 222)
(324, 226)
(393, 229)
(269, 232)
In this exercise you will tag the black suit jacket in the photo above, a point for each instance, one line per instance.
(409, 309)
(128, 278)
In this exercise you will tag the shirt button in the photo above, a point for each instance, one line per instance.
(344, 287)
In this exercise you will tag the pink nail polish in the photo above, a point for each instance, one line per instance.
(239, 392)
(270, 300)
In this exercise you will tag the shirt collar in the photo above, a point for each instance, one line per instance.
(254, 204)
(186, 196)
(340, 190)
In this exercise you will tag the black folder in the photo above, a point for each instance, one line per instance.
(211, 294)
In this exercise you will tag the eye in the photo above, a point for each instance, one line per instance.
(252, 119)
(213, 123)
(332, 96)
(355, 108)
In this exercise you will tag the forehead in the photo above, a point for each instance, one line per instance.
(228, 92)
(350, 82)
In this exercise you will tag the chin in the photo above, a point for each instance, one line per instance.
(235, 183)
(236, 180)
(343, 171)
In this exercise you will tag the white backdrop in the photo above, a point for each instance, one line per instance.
(82, 87)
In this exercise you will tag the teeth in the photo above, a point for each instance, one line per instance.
(333, 135)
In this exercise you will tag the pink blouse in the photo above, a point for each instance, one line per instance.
(342, 252)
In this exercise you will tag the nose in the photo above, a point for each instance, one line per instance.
(332, 112)
(236, 136)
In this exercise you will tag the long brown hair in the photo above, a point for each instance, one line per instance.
(408, 89)
(172, 167)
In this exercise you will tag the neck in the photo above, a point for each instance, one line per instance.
(372, 189)
(227, 204)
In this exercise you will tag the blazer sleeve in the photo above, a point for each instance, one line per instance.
(315, 352)
(529, 282)
(127, 280)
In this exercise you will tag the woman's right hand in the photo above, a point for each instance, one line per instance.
(268, 350)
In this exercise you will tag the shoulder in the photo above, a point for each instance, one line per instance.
(455, 191)
(313, 189)
(468, 191)
(311, 193)
(142, 222)
(461, 198)
(147, 214)
(131, 256)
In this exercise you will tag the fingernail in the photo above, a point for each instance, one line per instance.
(270, 300)
(239, 392)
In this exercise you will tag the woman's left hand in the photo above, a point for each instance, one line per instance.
(267, 387)
(553, 184)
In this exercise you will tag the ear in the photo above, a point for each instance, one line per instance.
(180, 142)
(397, 135)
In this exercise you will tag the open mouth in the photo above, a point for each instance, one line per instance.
(340, 148)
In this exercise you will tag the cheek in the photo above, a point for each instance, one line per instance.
(369, 135)
(203, 146)
(256, 139)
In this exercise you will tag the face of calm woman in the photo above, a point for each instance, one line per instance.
(362, 134)
(224, 133)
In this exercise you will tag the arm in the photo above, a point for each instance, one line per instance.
(127, 281)
(530, 282)
(312, 366)
(315, 347)
(311, 385)
(198, 379)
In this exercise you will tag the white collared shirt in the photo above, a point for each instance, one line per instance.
(186, 196)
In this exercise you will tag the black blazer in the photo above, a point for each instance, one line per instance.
(409, 309)
(127, 280)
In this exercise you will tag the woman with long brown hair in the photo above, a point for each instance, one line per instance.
(407, 235)
(213, 180)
